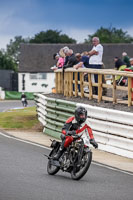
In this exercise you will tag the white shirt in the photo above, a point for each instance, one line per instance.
(97, 59)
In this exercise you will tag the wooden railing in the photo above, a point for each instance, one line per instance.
(67, 84)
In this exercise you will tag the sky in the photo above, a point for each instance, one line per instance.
(76, 18)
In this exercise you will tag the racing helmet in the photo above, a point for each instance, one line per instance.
(80, 114)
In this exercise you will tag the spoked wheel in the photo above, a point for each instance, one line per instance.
(51, 169)
(78, 172)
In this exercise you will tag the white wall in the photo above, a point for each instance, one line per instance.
(2, 93)
(29, 87)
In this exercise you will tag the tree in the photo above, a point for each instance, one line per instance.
(7, 62)
(51, 36)
(111, 35)
(13, 47)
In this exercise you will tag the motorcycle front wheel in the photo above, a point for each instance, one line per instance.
(78, 173)
(52, 170)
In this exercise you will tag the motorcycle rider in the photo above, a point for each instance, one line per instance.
(77, 124)
(24, 99)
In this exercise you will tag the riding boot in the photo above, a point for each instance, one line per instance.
(59, 153)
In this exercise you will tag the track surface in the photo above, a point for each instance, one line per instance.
(23, 175)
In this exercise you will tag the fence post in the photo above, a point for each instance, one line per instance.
(62, 83)
(65, 84)
(70, 85)
(114, 90)
(90, 86)
(129, 92)
(76, 83)
(59, 82)
(99, 87)
(56, 82)
(81, 84)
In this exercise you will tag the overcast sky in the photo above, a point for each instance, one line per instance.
(76, 18)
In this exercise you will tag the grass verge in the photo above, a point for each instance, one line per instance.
(22, 119)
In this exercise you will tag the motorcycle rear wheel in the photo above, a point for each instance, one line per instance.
(76, 175)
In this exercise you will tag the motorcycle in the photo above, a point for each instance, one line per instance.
(24, 102)
(75, 160)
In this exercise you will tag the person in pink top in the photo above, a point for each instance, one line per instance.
(60, 62)
(60, 57)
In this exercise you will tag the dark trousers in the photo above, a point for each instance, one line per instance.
(95, 75)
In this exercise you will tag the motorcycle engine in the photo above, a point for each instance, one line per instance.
(65, 162)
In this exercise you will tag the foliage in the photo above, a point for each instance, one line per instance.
(51, 36)
(14, 46)
(9, 58)
(110, 35)
(7, 62)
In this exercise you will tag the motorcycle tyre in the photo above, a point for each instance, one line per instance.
(87, 165)
(52, 171)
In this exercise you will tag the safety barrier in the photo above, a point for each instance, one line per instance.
(112, 129)
(53, 113)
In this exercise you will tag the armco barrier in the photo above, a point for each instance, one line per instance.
(13, 95)
(52, 113)
(112, 129)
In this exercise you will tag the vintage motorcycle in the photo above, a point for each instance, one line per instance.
(75, 160)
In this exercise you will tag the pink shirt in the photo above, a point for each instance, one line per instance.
(60, 62)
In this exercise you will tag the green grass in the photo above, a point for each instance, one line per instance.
(19, 119)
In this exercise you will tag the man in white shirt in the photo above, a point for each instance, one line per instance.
(95, 61)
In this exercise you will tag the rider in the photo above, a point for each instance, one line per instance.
(24, 99)
(77, 124)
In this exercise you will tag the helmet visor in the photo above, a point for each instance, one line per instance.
(82, 116)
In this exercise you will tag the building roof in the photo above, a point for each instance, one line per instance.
(39, 57)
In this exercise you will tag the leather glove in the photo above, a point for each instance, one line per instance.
(71, 133)
(93, 142)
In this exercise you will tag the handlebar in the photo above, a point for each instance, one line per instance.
(76, 136)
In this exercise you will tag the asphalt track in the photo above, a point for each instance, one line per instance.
(23, 176)
(11, 104)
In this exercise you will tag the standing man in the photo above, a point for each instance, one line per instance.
(95, 60)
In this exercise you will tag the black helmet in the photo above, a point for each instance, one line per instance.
(78, 114)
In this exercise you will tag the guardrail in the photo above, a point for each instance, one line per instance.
(113, 130)
(68, 83)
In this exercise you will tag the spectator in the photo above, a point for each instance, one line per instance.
(55, 57)
(96, 54)
(84, 53)
(71, 59)
(60, 62)
(65, 51)
(83, 61)
(80, 64)
(119, 65)
(130, 68)
(95, 60)
(131, 64)
(126, 59)
(59, 57)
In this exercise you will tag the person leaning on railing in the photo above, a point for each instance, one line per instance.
(71, 59)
